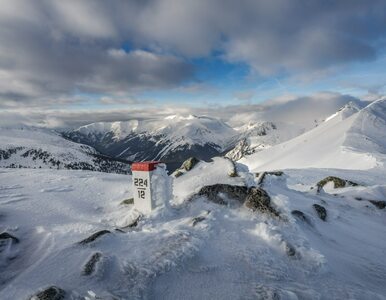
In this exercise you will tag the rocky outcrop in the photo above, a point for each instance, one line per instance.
(128, 201)
(7, 236)
(378, 204)
(300, 216)
(50, 293)
(89, 267)
(186, 166)
(321, 211)
(189, 163)
(338, 182)
(258, 200)
(253, 198)
(261, 176)
(290, 250)
(94, 236)
(221, 193)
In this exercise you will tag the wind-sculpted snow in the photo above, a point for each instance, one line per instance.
(194, 249)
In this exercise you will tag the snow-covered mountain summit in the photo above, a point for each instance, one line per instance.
(171, 139)
(175, 128)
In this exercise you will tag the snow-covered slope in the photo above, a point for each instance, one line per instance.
(29, 147)
(196, 249)
(350, 139)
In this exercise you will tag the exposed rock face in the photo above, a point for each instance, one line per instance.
(89, 267)
(378, 204)
(338, 182)
(321, 211)
(51, 293)
(253, 198)
(258, 199)
(190, 163)
(93, 237)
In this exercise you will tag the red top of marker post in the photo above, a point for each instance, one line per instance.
(146, 166)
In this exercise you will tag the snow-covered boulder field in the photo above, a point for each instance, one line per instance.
(78, 236)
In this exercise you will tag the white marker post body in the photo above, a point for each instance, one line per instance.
(142, 189)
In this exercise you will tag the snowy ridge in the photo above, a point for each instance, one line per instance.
(29, 147)
(347, 140)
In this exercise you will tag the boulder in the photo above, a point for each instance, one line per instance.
(321, 211)
(253, 198)
(50, 293)
(258, 199)
(218, 193)
(261, 176)
(301, 216)
(378, 204)
(190, 163)
(186, 166)
(128, 201)
(289, 249)
(178, 173)
(197, 220)
(338, 182)
(89, 267)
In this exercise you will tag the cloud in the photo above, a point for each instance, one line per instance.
(288, 109)
(51, 50)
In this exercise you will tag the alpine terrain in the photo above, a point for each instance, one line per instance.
(303, 219)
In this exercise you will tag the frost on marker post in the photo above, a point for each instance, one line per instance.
(152, 186)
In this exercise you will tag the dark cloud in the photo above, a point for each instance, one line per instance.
(50, 49)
